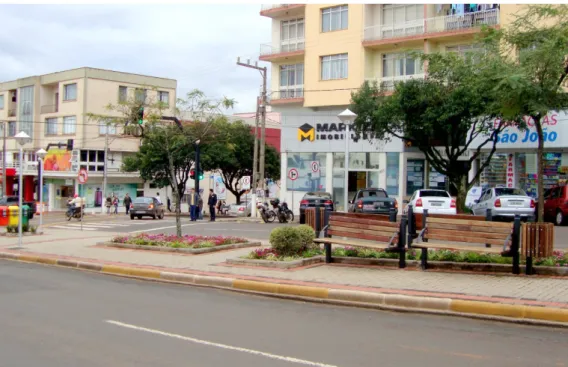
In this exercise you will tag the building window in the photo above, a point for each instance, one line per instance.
(466, 51)
(334, 67)
(51, 126)
(395, 14)
(401, 64)
(164, 97)
(140, 95)
(393, 160)
(111, 128)
(70, 92)
(12, 128)
(292, 35)
(334, 19)
(1, 102)
(122, 94)
(292, 81)
(307, 179)
(69, 125)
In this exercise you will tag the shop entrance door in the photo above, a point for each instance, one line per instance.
(357, 181)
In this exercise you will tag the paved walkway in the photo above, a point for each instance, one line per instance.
(504, 288)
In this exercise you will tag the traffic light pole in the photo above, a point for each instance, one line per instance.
(197, 169)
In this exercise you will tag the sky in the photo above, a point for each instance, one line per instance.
(196, 44)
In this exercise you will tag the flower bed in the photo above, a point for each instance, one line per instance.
(172, 243)
(187, 241)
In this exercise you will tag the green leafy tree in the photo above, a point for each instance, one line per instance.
(530, 68)
(443, 116)
(231, 154)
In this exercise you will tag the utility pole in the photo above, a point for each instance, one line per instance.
(262, 108)
(255, 159)
(4, 190)
(105, 172)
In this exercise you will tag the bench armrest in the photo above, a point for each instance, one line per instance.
(323, 232)
(507, 241)
(420, 237)
(392, 238)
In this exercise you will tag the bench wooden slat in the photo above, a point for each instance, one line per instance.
(370, 222)
(469, 222)
(384, 232)
(470, 228)
(433, 232)
(378, 226)
(353, 243)
(351, 216)
(466, 237)
(450, 246)
(361, 236)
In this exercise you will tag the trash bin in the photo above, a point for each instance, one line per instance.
(4, 220)
(25, 215)
(13, 213)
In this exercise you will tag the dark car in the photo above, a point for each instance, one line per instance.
(556, 204)
(309, 201)
(14, 201)
(146, 207)
(372, 201)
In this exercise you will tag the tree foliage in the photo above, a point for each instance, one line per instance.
(444, 116)
(231, 154)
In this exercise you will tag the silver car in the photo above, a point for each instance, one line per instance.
(240, 210)
(505, 202)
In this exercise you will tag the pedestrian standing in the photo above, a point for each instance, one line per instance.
(193, 205)
(127, 202)
(115, 203)
(212, 202)
(169, 205)
(199, 207)
(108, 204)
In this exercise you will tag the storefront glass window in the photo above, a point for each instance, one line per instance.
(392, 173)
(436, 180)
(415, 175)
(300, 166)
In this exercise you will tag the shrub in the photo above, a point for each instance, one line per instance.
(25, 228)
(287, 241)
(10, 229)
(33, 229)
(307, 236)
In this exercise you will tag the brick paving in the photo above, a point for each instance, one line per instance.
(534, 289)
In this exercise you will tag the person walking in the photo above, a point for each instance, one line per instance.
(108, 204)
(199, 207)
(193, 205)
(127, 202)
(212, 202)
(169, 204)
(115, 203)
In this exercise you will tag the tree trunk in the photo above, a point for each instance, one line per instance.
(460, 184)
(540, 170)
(238, 197)
(177, 201)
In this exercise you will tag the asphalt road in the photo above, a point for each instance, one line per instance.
(56, 317)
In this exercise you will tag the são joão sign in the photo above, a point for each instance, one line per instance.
(553, 126)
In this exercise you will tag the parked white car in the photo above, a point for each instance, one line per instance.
(505, 202)
(436, 201)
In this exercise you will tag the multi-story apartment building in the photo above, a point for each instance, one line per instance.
(320, 53)
(53, 110)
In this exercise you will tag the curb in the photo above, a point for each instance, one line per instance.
(544, 316)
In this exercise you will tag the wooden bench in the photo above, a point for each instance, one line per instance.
(451, 231)
(367, 231)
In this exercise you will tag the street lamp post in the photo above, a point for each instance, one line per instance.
(21, 138)
(40, 154)
(347, 117)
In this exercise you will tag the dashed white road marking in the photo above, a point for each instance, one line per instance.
(222, 346)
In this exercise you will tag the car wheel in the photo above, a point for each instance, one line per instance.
(139, 217)
(559, 219)
(161, 216)
(131, 217)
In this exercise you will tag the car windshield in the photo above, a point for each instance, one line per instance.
(143, 200)
(505, 191)
(434, 193)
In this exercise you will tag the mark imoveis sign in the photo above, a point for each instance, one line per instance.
(328, 131)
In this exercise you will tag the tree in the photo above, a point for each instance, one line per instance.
(167, 152)
(231, 154)
(531, 68)
(442, 116)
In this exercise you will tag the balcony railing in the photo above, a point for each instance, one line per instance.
(49, 108)
(264, 7)
(268, 49)
(287, 94)
(447, 23)
(388, 83)
(12, 112)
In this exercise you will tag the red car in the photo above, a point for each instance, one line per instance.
(556, 204)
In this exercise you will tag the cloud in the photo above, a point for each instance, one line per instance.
(195, 44)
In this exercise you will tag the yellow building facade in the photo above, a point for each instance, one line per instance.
(321, 53)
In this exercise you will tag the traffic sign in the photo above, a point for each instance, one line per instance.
(293, 174)
(83, 176)
(315, 166)
(245, 183)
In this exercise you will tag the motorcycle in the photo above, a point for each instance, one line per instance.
(267, 215)
(282, 211)
(74, 212)
(287, 212)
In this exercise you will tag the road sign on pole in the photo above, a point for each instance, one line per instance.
(83, 176)
(315, 166)
(293, 174)
(245, 183)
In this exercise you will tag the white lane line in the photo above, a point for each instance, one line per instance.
(160, 228)
(222, 346)
(87, 225)
(74, 228)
